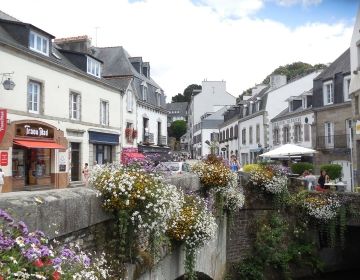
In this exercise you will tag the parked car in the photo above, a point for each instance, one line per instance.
(173, 167)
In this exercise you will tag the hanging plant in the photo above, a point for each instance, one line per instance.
(128, 132)
(134, 134)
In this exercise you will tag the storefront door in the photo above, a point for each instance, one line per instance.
(75, 161)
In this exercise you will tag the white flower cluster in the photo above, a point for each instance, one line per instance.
(234, 198)
(276, 185)
(324, 209)
(204, 228)
(97, 271)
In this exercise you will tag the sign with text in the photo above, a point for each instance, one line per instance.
(357, 127)
(34, 130)
(3, 158)
(3, 123)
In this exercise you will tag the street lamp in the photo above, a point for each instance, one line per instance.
(8, 84)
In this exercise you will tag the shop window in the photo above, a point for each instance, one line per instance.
(103, 154)
(18, 163)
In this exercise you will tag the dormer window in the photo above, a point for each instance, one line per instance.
(346, 88)
(328, 93)
(39, 43)
(93, 67)
(158, 99)
(290, 106)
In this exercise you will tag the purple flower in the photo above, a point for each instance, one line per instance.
(67, 253)
(6, 216)
(23, 227)
(57, 263)
(86, 260)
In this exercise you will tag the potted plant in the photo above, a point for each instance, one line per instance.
(134, 133)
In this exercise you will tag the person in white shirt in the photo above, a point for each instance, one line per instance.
(2, 179)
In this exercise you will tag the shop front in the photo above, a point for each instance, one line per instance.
(37, 154)
(104, 146)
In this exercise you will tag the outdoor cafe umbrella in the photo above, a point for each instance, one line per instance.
(288, 150)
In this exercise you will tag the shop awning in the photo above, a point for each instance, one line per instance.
(38, 144)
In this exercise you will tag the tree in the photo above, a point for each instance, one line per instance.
(177, 129)
(186, 95)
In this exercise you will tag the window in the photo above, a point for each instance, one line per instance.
(103, 154)
(257, 133)
(158, 99)
(144, 92)
(286, 135)
(231, 132)
(129, 101)
(304, 102)
(227, 134)
(346, 88)
(306, 132)
(223, 135)
(329, 134)
(357, 104)
(39, 43)
(276, 136)
(236, 132)
(74, 106)
(258, 105)
(34, 97)
(93, 67)
(243, 136)
(104, 112)
(328, 93)
(297, 129)
(250, 135)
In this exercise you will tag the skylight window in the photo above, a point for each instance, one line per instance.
(39, 43)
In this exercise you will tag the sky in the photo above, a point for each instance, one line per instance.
(189, 41)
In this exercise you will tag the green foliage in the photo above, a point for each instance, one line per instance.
(177, 129)
(278, 245)
(300, 167)
(333, 170)
(294, 69)
(186, 95)
(251, 167)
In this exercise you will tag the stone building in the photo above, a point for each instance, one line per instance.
(333, 116)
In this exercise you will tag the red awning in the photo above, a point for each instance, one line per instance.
(38, 144)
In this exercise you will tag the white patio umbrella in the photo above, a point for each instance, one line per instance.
(288, 150)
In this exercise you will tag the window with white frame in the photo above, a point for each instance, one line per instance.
(93, 67)
(304, 102)
(297, 129)
(243, 136)
(258, 105)
(75, 106)
(328, 93)
(104, 112)
(158, 99)
(39, 43)
(276, 136)
(329, 134)
(34, 90)
(286, 134)
(250, 135)
(129, 101)
(144, 92)
(346, 88)
(306, 132)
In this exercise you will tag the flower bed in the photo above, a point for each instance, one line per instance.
(29, 255)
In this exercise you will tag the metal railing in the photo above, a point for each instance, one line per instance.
(162, 141)
(149, 138)
(333, 141)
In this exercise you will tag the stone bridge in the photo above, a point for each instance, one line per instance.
(78, 216)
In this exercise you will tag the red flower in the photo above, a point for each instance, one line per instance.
(134, 133)
(1, 278)
(47, 262)
(56, 275)
(38, 263)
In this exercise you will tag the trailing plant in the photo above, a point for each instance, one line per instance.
(278, 245)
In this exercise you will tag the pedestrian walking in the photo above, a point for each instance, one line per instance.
(2, 179)
(86, 174)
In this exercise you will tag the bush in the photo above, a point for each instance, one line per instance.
(333, 170)
(300, 167)
(251, 167)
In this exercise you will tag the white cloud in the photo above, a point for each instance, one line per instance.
(305, 3)
(185, 43)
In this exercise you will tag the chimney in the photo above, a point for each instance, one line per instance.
(146, 69)
(277, 80)
(78, 44)
(137, 63)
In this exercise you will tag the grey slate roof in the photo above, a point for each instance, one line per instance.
(177, 106)
(340, 65)
(120, 83)
(7, 17)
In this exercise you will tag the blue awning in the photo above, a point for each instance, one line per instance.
(103, 138)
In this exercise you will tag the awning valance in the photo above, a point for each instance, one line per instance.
(38, 144)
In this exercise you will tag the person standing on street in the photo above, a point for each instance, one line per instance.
(86, 174)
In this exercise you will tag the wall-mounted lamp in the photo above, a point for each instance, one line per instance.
(8, 84)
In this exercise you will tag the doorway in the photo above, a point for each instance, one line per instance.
(75, 161)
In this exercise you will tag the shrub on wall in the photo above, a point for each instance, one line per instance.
(300, 167)
(333, 170)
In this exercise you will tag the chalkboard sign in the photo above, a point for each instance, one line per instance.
(62, 167)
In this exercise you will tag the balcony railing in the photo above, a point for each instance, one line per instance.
(149, 138)
(162, 141)
(333, 141)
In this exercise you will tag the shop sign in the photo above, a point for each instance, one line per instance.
(357, 127)
(3, 158)
(3, 123)
(34, 130)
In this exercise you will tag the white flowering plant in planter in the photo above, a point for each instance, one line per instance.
(322, 207)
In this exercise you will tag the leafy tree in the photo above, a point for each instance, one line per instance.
(186, 95)
(177, 129)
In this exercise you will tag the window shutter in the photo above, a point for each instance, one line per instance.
(70, 105)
